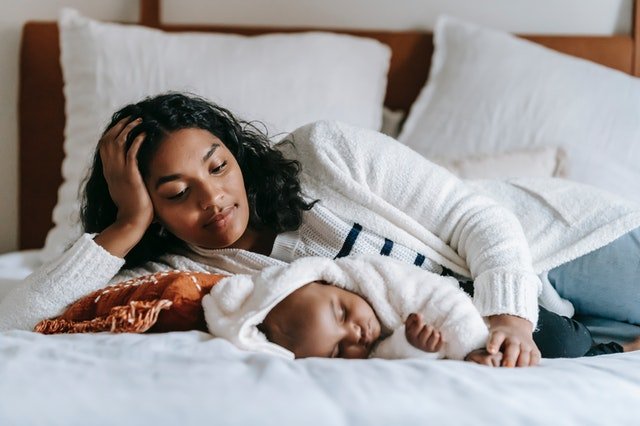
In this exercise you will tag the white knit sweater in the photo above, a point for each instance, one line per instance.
(502, 234)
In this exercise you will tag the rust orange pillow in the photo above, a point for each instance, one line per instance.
(164, 301)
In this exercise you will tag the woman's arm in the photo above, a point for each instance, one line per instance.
(89, 264)
(126, 188)
(45, 293)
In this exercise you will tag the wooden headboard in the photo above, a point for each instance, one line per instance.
(41, 96)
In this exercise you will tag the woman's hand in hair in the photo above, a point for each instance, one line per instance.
(126, 187)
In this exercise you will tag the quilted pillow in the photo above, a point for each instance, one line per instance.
(165, 301)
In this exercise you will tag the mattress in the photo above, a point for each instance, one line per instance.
(15, 266)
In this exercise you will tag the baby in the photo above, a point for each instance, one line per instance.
(322, 320)
(366, 311)
(374, 307)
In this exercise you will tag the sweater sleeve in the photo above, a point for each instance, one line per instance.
(429, 203)
(45, 293)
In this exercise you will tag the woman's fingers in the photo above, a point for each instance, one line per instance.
(524, 359)
(510, 354)
(113, 132)
(121, 139)
(112, 148)
(117, 135)
(120, 169)
(132, 154)
(495, 342)
(535, 357)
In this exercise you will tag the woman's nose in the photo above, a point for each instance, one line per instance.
(209, 197)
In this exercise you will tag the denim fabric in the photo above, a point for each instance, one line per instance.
(561, 337)
(606, 282)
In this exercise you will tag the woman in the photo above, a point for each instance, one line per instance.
(181, 182)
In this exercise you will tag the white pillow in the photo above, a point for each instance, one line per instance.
(283, 80)
(489, 92)
(534, 163)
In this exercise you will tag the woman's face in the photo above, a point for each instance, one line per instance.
(197, 190)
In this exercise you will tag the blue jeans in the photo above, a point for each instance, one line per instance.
(606, 282)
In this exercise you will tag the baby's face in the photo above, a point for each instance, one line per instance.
(321, 320)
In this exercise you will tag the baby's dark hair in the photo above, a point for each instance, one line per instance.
(271, 181)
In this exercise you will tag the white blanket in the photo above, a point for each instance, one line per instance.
(238, 304)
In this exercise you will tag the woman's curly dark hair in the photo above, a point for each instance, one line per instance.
(271, 181)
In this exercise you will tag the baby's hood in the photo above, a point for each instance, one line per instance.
(238, 304)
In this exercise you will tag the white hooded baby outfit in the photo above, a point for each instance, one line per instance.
(238, 304)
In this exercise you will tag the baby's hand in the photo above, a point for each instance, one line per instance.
(421, 335)
(482, 356)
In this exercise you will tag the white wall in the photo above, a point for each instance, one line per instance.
(523, 16)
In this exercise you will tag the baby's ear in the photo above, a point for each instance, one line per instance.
(232, 292)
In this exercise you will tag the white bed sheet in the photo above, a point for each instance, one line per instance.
(191, 378)
(15, 266)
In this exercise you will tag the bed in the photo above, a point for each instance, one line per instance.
(191, 378)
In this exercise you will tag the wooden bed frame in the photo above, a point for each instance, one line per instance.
(41, 96)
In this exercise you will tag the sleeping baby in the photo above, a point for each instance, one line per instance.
(374, 306)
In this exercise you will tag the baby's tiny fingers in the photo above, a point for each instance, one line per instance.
(435, 342)
(426, 336)
(411, 330)
(414, 321)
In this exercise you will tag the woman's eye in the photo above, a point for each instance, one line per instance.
(219, 168)
(343, 314)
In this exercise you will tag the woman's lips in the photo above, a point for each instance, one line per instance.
(220, 220)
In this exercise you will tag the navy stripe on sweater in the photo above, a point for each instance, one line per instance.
(350, 241)
(386, 248)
